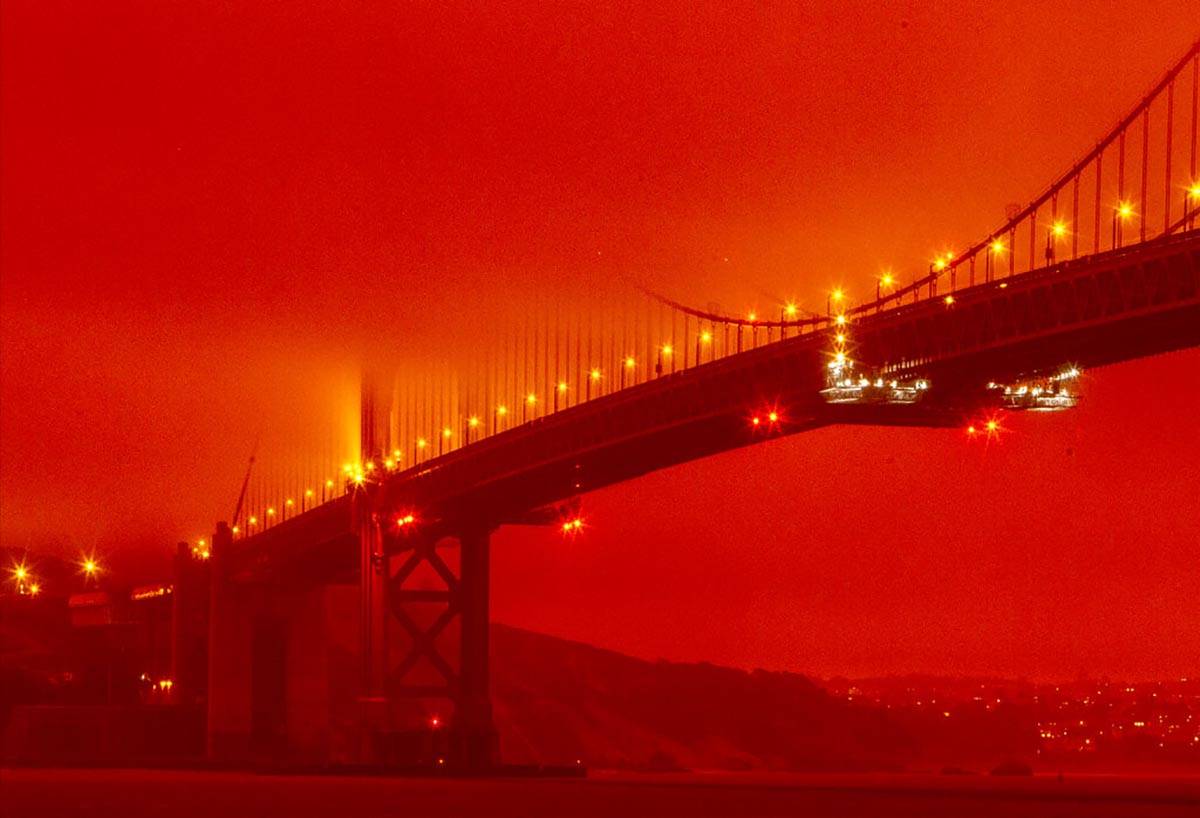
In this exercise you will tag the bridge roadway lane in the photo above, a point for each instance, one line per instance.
(25, 793)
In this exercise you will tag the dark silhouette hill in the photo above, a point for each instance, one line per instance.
(559, 700)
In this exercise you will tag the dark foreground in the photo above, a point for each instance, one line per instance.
(134, 793)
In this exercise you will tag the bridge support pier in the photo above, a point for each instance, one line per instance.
(474, 734)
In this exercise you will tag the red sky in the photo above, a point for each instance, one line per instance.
(208, 213)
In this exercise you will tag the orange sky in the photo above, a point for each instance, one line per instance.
(208, 213)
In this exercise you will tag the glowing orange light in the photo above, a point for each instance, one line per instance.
(422, 443)
(531, 399)
(840, 337)
(253, 521)
(666, 349)
(997, 246)
(359, 479)
(396, 453)
(1124, 210)
(971, 429)
(289, 502)
(34, 589)
(840, 320)
(887, 279)
(773, 416)
(594, 374)
(90, 567)
(753, 316)
(837, 294)
(1058, 229)
(434, 722)
(790, 310)
(755, 420)
(572, 526)
(992, 425)
(308, 492)
(939, 264)
(473, 421)
(705, 337)
(370, 465)
(1194, 191)
(630, 363)
(501, 410)
(328, 484)
(20, 573)
(403, 520)
(270, 512)
(446, 432)
(347, 468)
(948, 299)
(562, 386)
(840, 358)
(235, 529)
(389, 464)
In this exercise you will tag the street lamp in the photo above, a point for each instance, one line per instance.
(1121, 214)
(885, 280)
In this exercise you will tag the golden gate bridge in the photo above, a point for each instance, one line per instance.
(392, 542)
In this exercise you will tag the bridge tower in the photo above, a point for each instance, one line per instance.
(388, 560)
